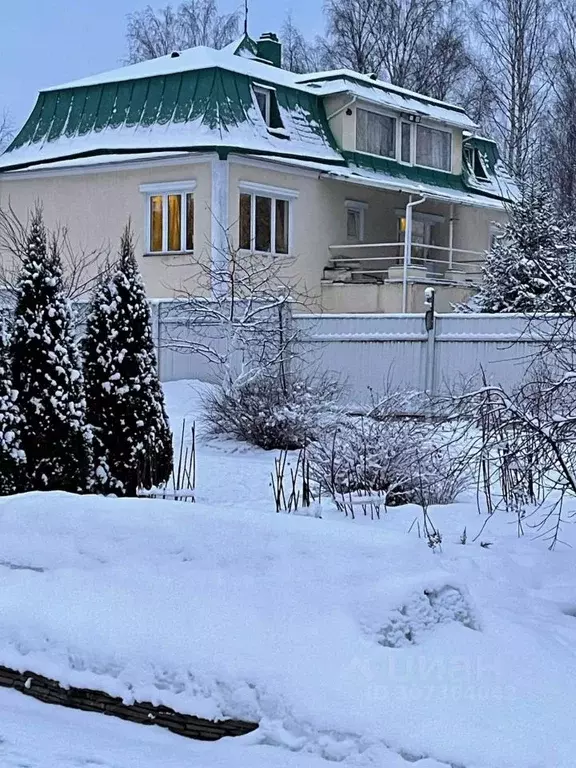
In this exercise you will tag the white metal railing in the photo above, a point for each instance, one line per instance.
(469, 262)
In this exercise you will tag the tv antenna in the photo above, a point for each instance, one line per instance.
(246, 18)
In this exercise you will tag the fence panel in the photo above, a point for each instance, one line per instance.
(386, 351)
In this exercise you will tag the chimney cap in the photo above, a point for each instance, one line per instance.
(269, 36)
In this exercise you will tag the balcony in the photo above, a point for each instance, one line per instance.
(376, 277)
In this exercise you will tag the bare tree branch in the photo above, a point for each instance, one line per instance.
(83, 268)
(6, 129)
(152, 33)
(416, 44)
(512, 63)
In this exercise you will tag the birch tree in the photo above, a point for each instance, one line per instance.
(416, 44)
(561, 123)
(514, 39)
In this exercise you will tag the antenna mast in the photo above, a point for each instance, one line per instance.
(246, 18)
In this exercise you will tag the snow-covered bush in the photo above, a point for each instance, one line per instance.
(532, 265)
(367, 455)
(12, 457)
(125, 403)
(268, 411)
(403, 460)
(441, 470)
(46, 372)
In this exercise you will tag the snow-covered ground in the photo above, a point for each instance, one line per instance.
(347, 640)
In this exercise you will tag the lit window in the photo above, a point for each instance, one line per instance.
(264, 223)
(375, 133)
(355, 220)
(170, 211)
(433, 148)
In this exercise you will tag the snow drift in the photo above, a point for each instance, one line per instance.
(351, 641)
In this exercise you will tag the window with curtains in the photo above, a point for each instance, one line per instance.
(170, 221)
(433, 148)
(264, 223)
(375, 133)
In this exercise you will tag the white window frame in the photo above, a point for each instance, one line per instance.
(411, 160)
(275, 193)
(163, 190)
(360, 208)
(441, 130)
(383, 113)
(267, 93)
(400, 120)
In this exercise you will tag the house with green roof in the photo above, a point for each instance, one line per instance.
(366, 192)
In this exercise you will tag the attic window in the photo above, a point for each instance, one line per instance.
(479, 166)
(475, 163)
(268, 105)
(263, 99)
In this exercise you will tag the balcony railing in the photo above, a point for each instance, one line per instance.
(431, 262)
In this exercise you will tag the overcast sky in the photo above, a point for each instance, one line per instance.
(46, 42)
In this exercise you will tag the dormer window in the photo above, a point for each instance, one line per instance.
(263, 99)
(480, 170)
(433, 148)
(405, 139)
(268, 105)
(475, 163)
(375, 133)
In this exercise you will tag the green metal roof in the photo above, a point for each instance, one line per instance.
(210, 108)
(495, 187)
(203, 100)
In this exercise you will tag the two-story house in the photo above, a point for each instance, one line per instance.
(366, 191)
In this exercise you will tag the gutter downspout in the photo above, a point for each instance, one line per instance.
(408, 248)
(341, 109)
(451, 238)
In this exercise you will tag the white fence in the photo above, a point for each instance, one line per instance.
(377, 351)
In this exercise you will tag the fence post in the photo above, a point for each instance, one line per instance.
(430, 323)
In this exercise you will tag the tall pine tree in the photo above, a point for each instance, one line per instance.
(532, 266)
(46, 372)
(12, 457)
(125, 404)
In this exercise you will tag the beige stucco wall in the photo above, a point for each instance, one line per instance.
(387, 297)
(319, 222)
(95, 206)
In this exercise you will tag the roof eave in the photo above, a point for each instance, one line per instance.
(221, 151)
(479, 201)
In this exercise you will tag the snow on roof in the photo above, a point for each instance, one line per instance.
(368, 177)
(321, 83)
(191, 135)
(189, 60)
(386, 94)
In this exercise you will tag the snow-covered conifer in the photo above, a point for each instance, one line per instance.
(532, 265)
(12, 457)
(132, 440)
(46, 372)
